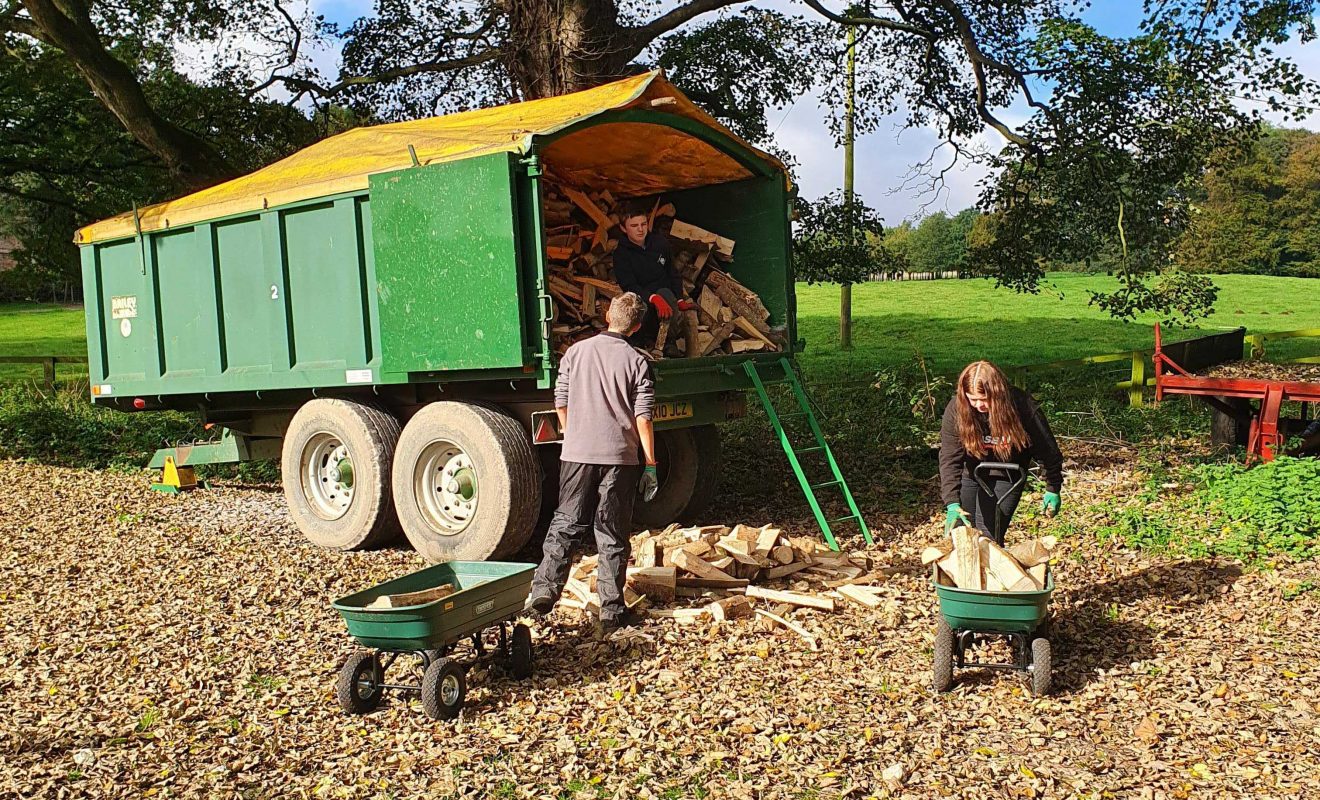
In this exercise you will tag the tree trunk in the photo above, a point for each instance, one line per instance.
(68, 26)
(561, 46)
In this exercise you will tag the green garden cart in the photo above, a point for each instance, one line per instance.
(488, 598)
(969, 617)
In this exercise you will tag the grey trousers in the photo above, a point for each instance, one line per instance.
(598, 496)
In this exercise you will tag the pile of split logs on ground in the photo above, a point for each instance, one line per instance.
(580, 235)
(969, 560)
(716, 573)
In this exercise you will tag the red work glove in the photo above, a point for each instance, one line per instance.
(662, 307)
(686, 305)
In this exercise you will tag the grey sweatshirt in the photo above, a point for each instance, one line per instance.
(606, 385)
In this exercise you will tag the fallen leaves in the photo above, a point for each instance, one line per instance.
(204, 621)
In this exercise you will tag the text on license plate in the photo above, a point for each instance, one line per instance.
(677, 409)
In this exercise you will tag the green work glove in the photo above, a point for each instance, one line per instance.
(1051, 504)
(650, 483)
(952, 517)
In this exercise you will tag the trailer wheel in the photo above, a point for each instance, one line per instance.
(1231, 430)
(688, 466)
(335, 467)
(467, 483)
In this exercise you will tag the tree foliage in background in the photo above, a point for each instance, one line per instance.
(1257, 210)
(1118, 125)
(833, 241)
(67, 158)
(938, 243)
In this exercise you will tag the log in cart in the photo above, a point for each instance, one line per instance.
(427, 615)
(1257, 426)
(970, 617)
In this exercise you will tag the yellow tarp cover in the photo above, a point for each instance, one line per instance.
(628, 158)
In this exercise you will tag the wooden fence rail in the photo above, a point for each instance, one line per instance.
(47, 362)
(1192, 354)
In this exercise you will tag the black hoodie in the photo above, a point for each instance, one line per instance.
(646, 270)
(955, 460)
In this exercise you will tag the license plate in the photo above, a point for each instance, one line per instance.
(676, 409)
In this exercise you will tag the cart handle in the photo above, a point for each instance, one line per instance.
(1001, 466)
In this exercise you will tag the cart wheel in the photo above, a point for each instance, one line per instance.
(943, 663)
(521, 651)
(443, 689)
(356, 687)
(1040, 667)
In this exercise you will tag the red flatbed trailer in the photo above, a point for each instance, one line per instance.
(1264, 436)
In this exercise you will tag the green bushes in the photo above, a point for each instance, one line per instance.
(1251, 514)
(64, 428)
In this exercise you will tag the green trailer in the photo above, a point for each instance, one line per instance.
(374, 311)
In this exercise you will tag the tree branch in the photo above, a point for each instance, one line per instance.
(306, 85)
(11, 22)
(676, 18)
(67, 25)
(870, 22)
(294, 47)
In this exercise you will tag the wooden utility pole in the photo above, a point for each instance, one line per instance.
(845, 290)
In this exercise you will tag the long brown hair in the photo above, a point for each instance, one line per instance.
(982, 377)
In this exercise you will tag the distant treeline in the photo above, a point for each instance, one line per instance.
(1255, 212)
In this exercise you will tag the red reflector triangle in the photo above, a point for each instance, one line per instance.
(545, 432)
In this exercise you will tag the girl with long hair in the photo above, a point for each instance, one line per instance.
(989, 420)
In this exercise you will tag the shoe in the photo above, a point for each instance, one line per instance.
(630, 619)
(538, 608)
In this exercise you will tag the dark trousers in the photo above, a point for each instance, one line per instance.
(981, 507)
(645, 336)
(598, 496)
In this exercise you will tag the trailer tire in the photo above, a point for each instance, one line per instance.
(467, 483)
(689, 471)
(1231, 430)
(364, 437)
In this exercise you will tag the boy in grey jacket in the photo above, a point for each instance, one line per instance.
(604, 398)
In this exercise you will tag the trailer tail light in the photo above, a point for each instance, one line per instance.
(139, 403)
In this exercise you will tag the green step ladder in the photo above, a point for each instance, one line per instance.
(753, 368)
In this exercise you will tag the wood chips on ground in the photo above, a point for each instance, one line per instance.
(184, 647)
(1267, 371)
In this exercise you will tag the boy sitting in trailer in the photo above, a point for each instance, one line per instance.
(644, 265)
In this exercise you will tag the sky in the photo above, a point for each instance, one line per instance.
(883, 159)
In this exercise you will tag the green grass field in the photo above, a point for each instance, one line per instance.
(29, 329)
(952, 322)
(947, 322)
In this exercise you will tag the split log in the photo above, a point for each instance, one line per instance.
(730, 608)
(792, 598)
(417, 598)
(964, 563)
(936, 553)
(695, 565)
(1002, 572)
(684, 230)
(857, 594)
(787, 569)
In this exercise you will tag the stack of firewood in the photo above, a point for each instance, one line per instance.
(719, 573)
(969, 560)
(580, 236)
